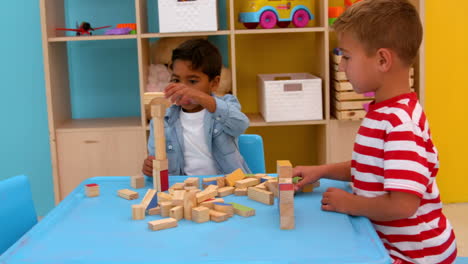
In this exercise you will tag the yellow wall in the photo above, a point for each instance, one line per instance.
(446, 84)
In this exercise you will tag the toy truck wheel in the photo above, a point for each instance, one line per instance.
(268, 19)
(250, 25)
(301, 18)
(283, 24)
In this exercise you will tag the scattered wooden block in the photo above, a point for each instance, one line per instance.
(266, 178)
(247, 182)
(210, 192)
(127, 194)
(200, 214)
(225, 208)
(150, 200)
(162, 224)
(209, 181)
(260, 195)
(163, 197)
(189, 188)
(286, 203)
(216, 216)
(242, 210)
(160, 174)
(178, 186)
(177, 212)
(236, 175)
(92, 190)
(137, 182)
(225, 191)
(261, 186)
(154, 211)
(165, 208)
(138, 212)
(221, 181)
(284, 169)
(178, 197)
(240, 192)
(210, 202)
(272, 186)
(190, 201)
(192, 181)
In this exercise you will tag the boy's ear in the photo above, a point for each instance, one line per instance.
(214, 84)
(384, 59)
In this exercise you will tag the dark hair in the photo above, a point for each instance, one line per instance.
(203, 55)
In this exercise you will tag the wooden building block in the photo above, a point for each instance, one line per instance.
(342, 86)
(160, 175)
(225, 208)
(216, 216)
(149, 198)
(177, 212)
(210, 192)
(200, 214)
(137, 182)
(340, 76)
(189, 188)
(192, 181)
(287, 219)
(247, 182)
(92, 190)
(243, 210)
(259, 195)
(154, 211)
(163, 197)
(262, 186)
(178, 197)
(165, 208)
(236, 175)
(266, 178)
(286, 193)
(260, 175)
(272, 186)
(162, 224)
(127, 194)
(225, 191)
(190, 201)
(209, 181)
(349, 114)
(284, 169)
(138, 212)
(240, 192)
(221, 181)
(210, 202)
(178, 186)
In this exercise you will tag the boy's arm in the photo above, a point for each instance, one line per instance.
(388, 207)
(227, 112)
(336, 171)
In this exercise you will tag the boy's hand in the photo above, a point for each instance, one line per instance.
(180, 94)
(309, 174)
(148, 166)
(337, 200)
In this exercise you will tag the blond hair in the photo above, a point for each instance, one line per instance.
(392, 24)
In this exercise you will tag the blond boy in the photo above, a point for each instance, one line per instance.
(394, 161)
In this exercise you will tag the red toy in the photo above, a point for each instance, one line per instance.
(84, 29)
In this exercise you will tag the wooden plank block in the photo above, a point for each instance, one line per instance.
(225, 191)
(148, 198)
(149, 96)
(210, 192)
(127, 194)
(178, 197)
(216, 216)
(349, 114)
(284, 168)
(209, 181)
(160, 175)
(287, 219)
(234, 176)
(210, 202)
(189, 188)
(340, 76)
(261, 186)
(221, 181)
(243, 210)
(350, 105)
(192, 181)
(154, 211)
(349, 95)
(200, 214)
(266, 178)
(225, 208)
(247, 182)
(137, 182)
(240, 192)
(163, 197)
(259, 195)
(165, 208)
(92, 190)
(342, 86)
(272, 186)
(162, 224)
(336, 58)
(178, 186)
(138, 212)
(177, 212)
(190, 201)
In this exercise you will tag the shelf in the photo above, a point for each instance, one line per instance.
(256, 120)
(278, 30)
(88, 38)
(185, 34)
(120, 123)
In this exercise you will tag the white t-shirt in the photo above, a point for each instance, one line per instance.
(198, 159)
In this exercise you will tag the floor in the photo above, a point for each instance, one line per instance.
(458, 216)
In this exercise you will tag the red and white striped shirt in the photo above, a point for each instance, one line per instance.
(394, 152)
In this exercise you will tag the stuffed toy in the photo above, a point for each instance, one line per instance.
(159, 73)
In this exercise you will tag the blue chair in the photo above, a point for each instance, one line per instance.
(251, 148)
(17, 213)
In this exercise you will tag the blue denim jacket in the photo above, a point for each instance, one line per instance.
(222, 129)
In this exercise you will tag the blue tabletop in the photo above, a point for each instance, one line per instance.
(100, 230)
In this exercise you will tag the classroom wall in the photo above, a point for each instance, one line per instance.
(446, 85)
(24, 139)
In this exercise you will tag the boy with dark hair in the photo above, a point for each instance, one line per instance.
(394, 162)
(201, 130)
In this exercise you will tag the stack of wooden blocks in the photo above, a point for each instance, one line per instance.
(346, 104)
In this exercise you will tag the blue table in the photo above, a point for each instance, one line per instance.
(100, 230)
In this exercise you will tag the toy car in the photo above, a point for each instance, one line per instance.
(269, 13)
